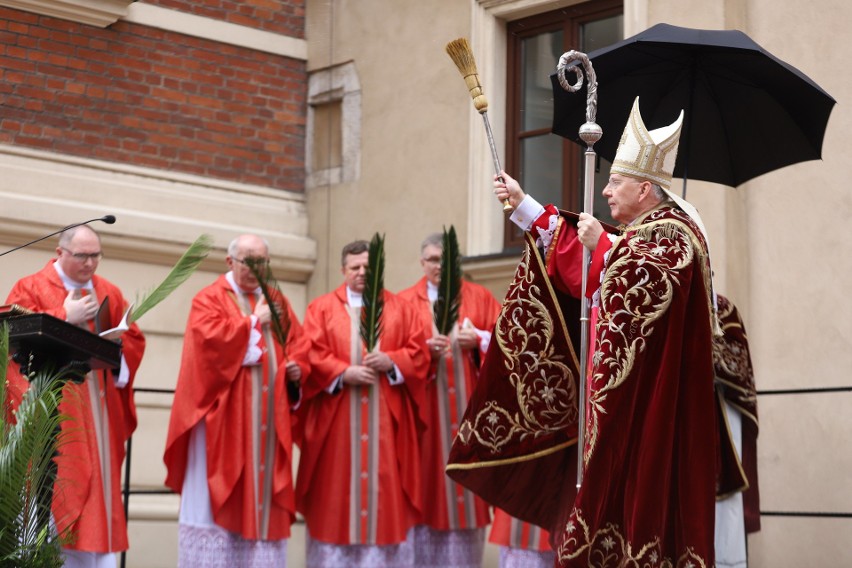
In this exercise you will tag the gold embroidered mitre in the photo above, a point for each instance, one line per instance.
(647, 155)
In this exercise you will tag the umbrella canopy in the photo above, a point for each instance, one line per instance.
(746, 112)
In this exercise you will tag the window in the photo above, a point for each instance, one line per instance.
(546, 165)
(334, 126)
(327, 148)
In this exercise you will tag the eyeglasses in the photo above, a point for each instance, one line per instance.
(253, 261)
(433, 260)
(84, 256)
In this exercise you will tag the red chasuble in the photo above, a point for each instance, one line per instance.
(246, 413)
(648, 491)
(735, 383)
(359, 477)
(447, 505)
(87, 495)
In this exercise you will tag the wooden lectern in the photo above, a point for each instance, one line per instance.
(40, 340)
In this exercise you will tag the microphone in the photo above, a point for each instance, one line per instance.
(108, 219)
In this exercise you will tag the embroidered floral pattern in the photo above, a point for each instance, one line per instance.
(607, 547)
(643, 271)
(541, 377)
(732, 361)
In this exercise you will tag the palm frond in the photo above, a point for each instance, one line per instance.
(448, 303)
(259, 267)
(27, 471)
(186, 265)
(371, 312)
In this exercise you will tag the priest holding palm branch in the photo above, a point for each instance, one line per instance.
(457, 317)
(359, 481)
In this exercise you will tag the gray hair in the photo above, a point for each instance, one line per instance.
(435, 240)
(68, 235)
(234, 245)
(658, 192)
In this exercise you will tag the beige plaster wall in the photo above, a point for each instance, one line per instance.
(415, 112)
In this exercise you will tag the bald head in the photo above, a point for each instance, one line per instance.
(241, 248)
(79, 253)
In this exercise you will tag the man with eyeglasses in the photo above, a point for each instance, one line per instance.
(229, 448)
(101, 411)
(452, 529)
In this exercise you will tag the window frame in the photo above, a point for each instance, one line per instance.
(569, 20)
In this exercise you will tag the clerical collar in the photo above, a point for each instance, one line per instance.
(68, 282)
(235, 287)
(431, 291)
(353, 298)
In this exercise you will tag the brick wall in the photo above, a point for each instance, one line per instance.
(144, 96)
(283, 17)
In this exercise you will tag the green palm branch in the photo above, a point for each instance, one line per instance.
(259, 268)
(27, 471)
(448, 303)
(374, 300)
(186, 265)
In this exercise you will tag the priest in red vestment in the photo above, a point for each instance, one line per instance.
(358, 485)
(452, 530)
(229, 448)
(102, 416)
(650, 440)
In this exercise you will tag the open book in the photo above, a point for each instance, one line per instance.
(115, 332)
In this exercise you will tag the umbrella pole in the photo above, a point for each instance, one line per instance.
(590, 133)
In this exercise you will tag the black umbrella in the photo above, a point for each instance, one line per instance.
(746, 112)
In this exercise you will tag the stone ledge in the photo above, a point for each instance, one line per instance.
(100, 13)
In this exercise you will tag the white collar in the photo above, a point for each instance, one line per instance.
(353, 298)
(237, 290)
(431, 291)
(68, 282)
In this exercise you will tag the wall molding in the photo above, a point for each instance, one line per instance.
(336, 83)
(99, 13)
(215, 30)
(158, 213)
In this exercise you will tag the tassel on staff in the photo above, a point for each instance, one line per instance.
(461, 54)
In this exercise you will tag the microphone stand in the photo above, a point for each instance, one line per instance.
(108, 219)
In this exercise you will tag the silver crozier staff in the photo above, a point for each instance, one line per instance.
(590, 133)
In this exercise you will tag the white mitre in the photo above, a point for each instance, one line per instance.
(651, 155)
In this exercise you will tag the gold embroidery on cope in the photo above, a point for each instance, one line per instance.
(637, 289)
(607, 547)
(544, 385)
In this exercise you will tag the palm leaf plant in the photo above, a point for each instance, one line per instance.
(27, 446)
(448, 302)
(373, 298)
